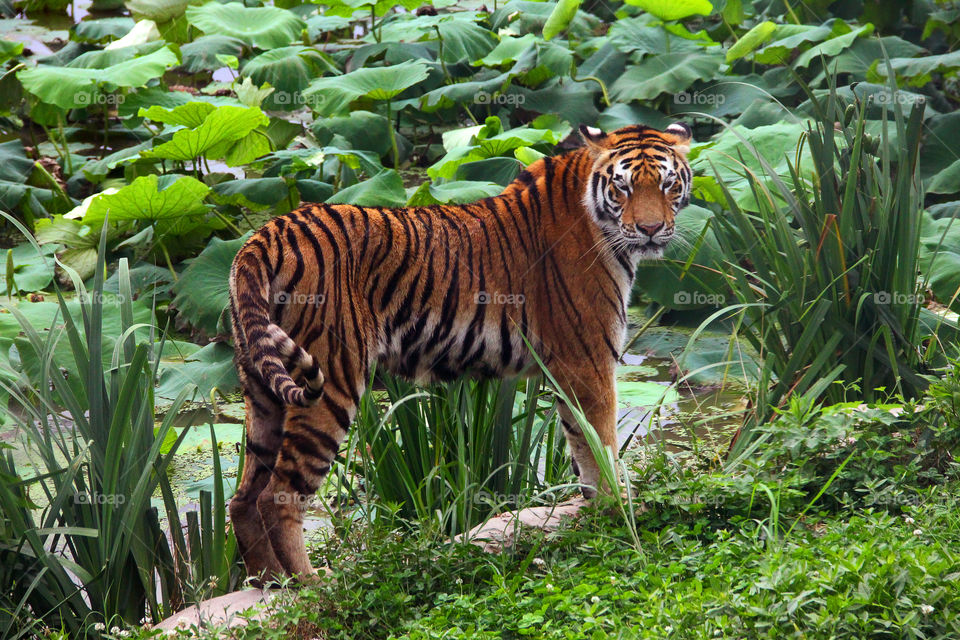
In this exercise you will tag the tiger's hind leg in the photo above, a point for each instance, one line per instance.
(311, 438)
(264, 431)
(595, 393)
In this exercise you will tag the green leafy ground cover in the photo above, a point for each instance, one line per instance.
(843, 524)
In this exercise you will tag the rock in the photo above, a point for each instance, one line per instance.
(500, 531)
(223, 611)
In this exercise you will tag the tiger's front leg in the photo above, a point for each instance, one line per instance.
(593, 389)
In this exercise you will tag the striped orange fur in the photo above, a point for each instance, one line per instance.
(320, 295)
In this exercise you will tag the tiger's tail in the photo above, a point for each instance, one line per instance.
(271, 353)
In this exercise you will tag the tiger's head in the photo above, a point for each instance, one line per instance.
(640, 180)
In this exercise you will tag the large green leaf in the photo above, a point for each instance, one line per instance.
(288, 70)
(940, 257)
(560, 18)
(501, 171)
(520, 17)
(71, 87)
(455, 192)
(751, 40)
(360, 130)
(323, 23)
(789, 38)
(507, 51)
(46, 317)
(31, 271)
(222, 126)
(104, 29)
(458, 34)
(832, 47)
(202, 292)
(202, 54)
(644, 34)
(947, 180)
(481, 145)
(191, 114)
(674, 9)
(382, 190)
(858, 59)
(150, 198)
(666, 73)
(15, 170)
(917, 72)
(208, 368)
(9, 50)
(940, 159)
(331, 96)
(258, 194)
(262, 27)
(734, 153)
(159, 11)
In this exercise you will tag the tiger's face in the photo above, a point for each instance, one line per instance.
(640, 180)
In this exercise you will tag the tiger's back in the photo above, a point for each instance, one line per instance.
(320, 295)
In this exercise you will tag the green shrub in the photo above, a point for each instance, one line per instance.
(825, 273)
(97, 553)
(457, 452)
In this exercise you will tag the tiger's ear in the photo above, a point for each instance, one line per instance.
(683, 134)
(592, 137)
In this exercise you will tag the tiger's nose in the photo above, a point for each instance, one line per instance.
(650, 229)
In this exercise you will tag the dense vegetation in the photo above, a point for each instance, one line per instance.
(141, 143)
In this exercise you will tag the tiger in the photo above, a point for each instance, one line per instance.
(324, 293)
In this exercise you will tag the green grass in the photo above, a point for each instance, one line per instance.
(867, 574)
(825, 274)
(843, 524)
(455, 453)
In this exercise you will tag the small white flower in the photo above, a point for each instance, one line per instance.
(459, 581)
(595, 599)
(539, 562)
(908, 520)
(918, 532)
(99, 626)
(926, 609)
(548, 587)
(613, 579)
